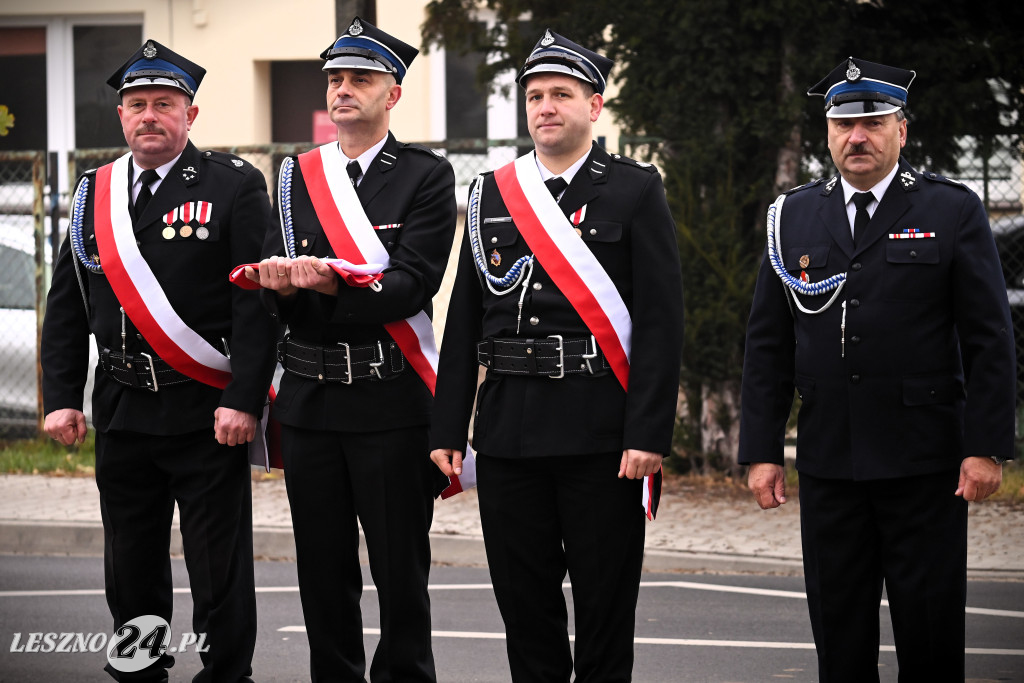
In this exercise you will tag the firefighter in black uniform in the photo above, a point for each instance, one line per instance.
(165, 432)
(563, 446)
(355, 404)
(881, 301)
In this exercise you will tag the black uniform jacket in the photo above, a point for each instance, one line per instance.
(629, 229)
(928, 373)
(193, 273)
(407, 185)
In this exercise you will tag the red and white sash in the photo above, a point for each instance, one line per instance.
(566, 258)
(138, 290)
(352, 238)
(143, 299)
(576, 272)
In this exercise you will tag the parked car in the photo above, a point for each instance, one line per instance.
(19, 375)
(1009, 236)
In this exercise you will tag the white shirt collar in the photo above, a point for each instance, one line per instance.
(878, 190)
(568, 174)
(161, 171)
(367, 157)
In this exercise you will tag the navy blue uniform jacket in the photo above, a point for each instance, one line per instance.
(405, 185)
(928, 373)
(629, 229)
(194, 274)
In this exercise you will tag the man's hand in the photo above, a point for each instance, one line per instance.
(448, 460)
(980, 477)
(767, 482)
(66, 426)
(233, 427)
(273, 274)
(638, 464)
(312, 273)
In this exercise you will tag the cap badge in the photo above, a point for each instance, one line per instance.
(852, 72)
(805, 261)
(548, 38)
(149, 52)
(356, 28)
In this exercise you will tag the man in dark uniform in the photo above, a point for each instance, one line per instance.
(880, 299)
(185, 361)
(355, 397)
(568, 291)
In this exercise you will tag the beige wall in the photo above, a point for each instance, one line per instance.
(235, 40)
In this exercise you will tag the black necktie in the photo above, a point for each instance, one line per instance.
(145, 194)
(556, 186)
(860, 220)
(354, 172)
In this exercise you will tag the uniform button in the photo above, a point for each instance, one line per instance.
(391, 244)
(537, 285)
(855, 339)
(494, 240)
(534, 320)
(855, 302)
(913, 254)
(529, 352)
(208, 154)
(593, 231)
(856, 266)
(932, 393)
(855, 379)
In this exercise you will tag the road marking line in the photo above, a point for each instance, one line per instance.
(692, 642)
(689, 585)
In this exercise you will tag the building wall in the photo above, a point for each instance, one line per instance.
(236, 40)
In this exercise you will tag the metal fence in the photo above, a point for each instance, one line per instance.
(33, 220)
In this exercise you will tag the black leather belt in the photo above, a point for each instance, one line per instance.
(340, 363)
(554, 356)
(140, 370)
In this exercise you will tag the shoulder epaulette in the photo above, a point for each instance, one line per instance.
(229, 160)
(936, 178)
(805, 186)
(643, 165)
(436, 153)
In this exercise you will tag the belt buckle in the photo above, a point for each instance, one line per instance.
(348, 363)
(561, 356)
(375, 365)
(587, 357)
(152, 371)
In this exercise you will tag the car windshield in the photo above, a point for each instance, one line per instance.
(17, 279)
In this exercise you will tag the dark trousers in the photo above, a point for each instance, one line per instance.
(543, 517)
(140, 476)
(385, 479)
(909, 534)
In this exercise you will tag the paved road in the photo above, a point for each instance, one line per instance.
(690, 627)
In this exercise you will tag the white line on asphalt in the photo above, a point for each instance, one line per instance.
(691, 642)
(690, 585)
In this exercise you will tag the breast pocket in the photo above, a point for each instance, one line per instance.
(806, 257)
(912, 268)
(502, 245)
(305, 242)
(601, 231)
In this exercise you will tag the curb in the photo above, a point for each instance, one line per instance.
(275, 543)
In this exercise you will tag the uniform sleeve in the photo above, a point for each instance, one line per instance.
(417, 262)
(768, 367)
(64, 351)
(457, 367)
(657, 316)
(253, 331)
(982, 317)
